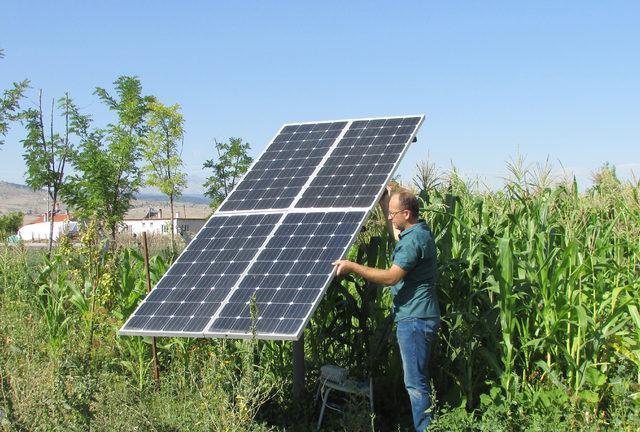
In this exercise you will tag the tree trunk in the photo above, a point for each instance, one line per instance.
(51, 222)
(173, 240)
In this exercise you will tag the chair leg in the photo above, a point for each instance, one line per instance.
(325, 397)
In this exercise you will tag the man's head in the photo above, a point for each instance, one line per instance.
(404, 210)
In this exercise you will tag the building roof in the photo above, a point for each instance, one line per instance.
(56, 218)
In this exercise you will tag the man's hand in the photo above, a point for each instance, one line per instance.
(343, 267)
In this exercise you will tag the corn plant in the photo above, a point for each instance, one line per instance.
(53, 296)
(535, 282)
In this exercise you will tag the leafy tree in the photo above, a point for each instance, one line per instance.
(10, 223)
(162, 153)
(47, 155)
(10, 104)
(231, 163)
(107, 172)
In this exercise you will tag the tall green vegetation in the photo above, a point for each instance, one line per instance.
(47, 153)
(162, 152)
(231, 163)
(106, 163)
(108, 173)
(62, 366)
(538, 285)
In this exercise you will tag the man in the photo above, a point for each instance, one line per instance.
(415, 301)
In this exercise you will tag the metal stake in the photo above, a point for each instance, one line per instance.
(154, 350)
(298, 368)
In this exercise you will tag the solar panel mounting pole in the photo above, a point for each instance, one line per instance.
(298, 368)
(154, 350)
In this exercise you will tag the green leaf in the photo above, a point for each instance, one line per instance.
(589, 396)
(595, 378)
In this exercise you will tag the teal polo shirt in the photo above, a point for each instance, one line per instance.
(415, 296)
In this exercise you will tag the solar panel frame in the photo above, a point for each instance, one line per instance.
(284, 213)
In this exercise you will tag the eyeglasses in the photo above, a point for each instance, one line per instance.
(393, 214)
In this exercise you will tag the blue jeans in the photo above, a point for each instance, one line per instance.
(415, 336)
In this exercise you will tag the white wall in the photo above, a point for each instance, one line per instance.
(161, 226)
(40, 231)
(150, 226)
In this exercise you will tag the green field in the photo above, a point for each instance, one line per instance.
(540, 292)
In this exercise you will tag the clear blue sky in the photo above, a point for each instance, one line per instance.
(552, 79)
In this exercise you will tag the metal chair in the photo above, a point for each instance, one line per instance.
(349, 385)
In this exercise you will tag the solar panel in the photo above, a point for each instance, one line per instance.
(279, 174)
(289, 274)
(188, 295)
(360, 164)
(272, 241)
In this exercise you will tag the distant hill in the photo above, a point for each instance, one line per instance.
(17, 197)
(186, 198)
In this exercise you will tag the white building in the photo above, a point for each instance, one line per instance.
(154, 224)
(40, 228)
